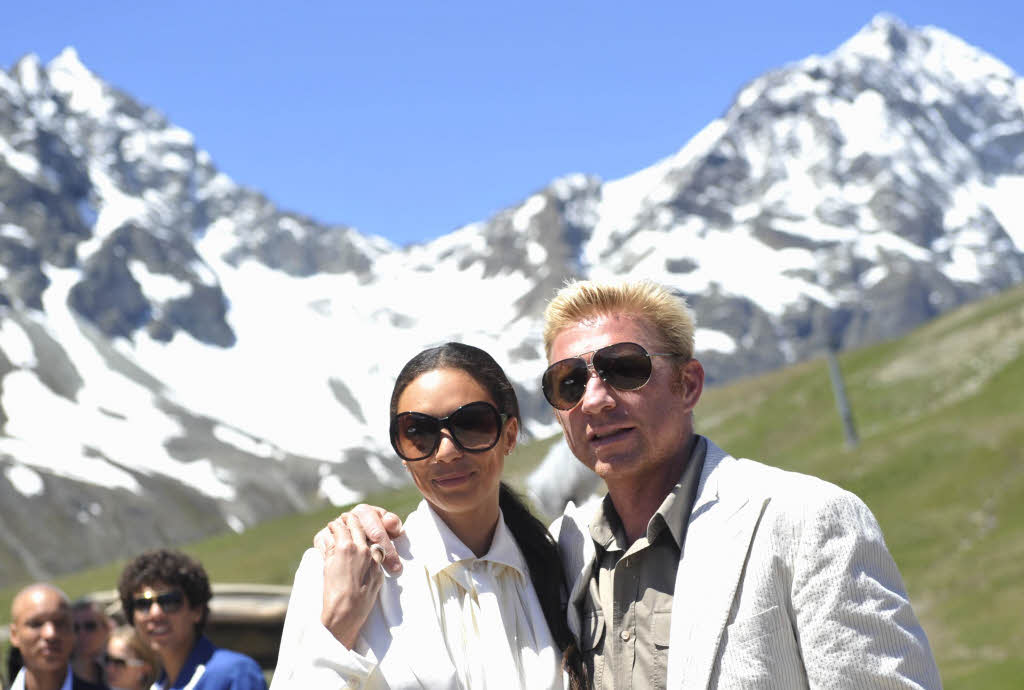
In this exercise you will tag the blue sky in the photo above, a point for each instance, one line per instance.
(410, 119)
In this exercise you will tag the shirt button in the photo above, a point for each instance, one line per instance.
(624, 635)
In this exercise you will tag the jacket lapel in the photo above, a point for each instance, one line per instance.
(578, 553)
(718, 539)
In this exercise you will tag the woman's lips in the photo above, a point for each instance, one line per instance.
(449, 480)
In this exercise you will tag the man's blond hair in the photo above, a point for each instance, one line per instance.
(663, 309)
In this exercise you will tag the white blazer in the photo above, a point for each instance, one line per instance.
(784, 581)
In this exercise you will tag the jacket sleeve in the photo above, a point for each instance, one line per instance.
(854, 624)
(310, 656)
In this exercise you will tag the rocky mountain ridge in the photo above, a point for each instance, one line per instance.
(178, 355)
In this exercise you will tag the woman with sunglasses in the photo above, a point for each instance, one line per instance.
(479, 602)
(129, 663)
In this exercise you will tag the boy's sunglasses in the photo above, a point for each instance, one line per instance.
(85, 626)
(120, 663)
(170, 602)
(475, 427)
(625, 366)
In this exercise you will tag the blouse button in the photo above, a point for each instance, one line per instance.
(624, 635)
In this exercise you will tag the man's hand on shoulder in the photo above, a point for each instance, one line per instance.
(379, 525)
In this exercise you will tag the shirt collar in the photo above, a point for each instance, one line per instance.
(674, 512)
(433, 543)
(19, 680)
(201, 652)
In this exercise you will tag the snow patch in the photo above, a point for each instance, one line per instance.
(536, 254)
(158, 287)
(717, 341)
(25, 480)
(245, 443)
(1004, 199)
(336, 492)
(534, 205)
(235, 523)
(16, 345)
(25, 164)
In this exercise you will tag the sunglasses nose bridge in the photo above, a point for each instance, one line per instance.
(447, 448)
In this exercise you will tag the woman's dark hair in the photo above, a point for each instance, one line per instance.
(533, 538)
(167, 567)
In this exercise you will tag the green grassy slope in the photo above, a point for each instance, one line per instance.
(941, 463)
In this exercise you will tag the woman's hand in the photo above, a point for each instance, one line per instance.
(352, 579)
(379, 525)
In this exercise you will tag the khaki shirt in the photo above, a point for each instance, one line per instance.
(627, 610)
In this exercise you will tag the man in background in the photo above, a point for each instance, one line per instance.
(165, 595)
(92, 629)
(41, 629)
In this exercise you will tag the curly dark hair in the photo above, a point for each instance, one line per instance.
(166, 567)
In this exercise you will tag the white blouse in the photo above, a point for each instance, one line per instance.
(450, 620)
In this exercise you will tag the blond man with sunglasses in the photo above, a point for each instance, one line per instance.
(165, 596)
(700, 570)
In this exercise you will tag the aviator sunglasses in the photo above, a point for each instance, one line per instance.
(474, 427)
(170, 602)
(625, 366)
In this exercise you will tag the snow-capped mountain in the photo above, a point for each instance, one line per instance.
(178, 355)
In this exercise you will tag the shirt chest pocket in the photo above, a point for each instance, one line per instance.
(661, 628)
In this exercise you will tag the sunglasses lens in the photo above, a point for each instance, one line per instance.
(414, 435)
(625, 366)
(116, 662)
(475, 426)
(564, 382)
(169, 602)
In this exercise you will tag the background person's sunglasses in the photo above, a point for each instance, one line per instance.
(475, 427)
(85, 626)
(170, 602)
(120, 662)
(625, 366)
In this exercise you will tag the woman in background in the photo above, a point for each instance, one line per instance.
(479, 602)
(129, 663)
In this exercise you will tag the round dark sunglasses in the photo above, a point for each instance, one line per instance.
(625, 366)
(474, 427)
(169, 602)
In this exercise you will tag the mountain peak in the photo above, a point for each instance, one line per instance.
(85, 91)
(885, 38)
(28, 73)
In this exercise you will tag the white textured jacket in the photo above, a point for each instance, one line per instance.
(784, 581)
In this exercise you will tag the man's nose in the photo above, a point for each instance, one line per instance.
(597, 394)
